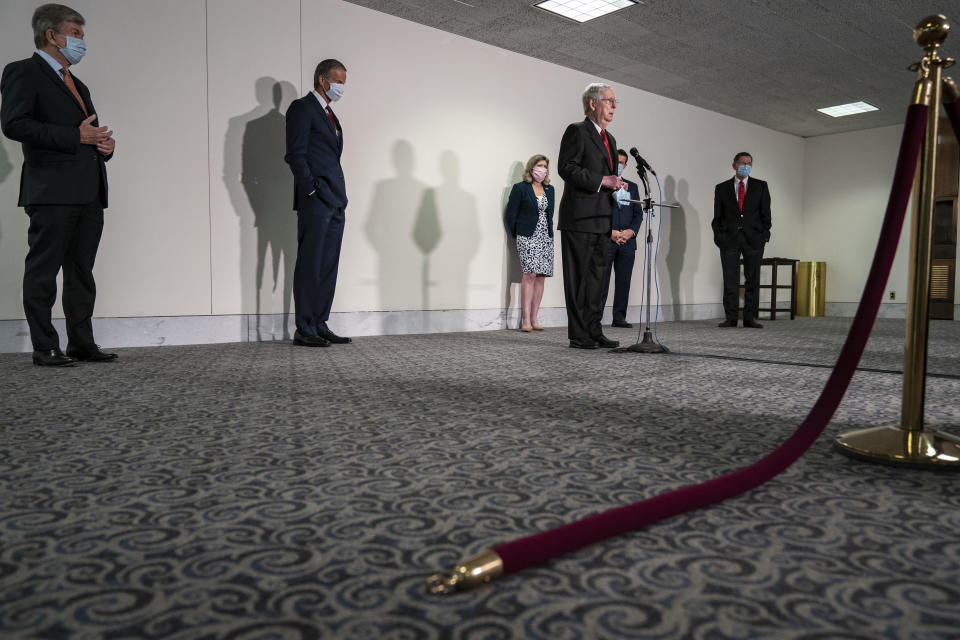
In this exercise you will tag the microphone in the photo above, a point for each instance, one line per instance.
(640, 161)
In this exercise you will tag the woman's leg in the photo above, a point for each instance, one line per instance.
(527, 286)
(537, 297)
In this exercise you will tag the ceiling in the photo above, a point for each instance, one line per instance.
(771, 62)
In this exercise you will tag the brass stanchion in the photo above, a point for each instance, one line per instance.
(909, 443)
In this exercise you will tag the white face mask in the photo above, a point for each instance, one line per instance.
(335, 92)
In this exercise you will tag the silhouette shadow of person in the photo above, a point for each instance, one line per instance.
(393, 213)
(447, 232)
(261, 190)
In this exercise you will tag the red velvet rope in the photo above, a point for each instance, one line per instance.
(538, 548)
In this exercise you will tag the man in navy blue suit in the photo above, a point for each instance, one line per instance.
(622, 248)
(314, 146)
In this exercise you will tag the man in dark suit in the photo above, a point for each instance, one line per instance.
(622, 248)
(63, 184)
(587, 164)
(314, 146)
(741, 226)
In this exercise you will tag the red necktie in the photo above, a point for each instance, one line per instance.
(333, 122)
(68, 80)
(740, 191)
(603, 134)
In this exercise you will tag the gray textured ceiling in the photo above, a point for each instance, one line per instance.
(771, 62)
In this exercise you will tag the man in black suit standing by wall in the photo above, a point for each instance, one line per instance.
(314, 146)
(741, 226)
(587, 163)
(63, 186)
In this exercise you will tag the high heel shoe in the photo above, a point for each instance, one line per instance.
(537, 327)
(526, 329)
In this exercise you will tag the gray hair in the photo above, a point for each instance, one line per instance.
(51, 16)
(592, 92)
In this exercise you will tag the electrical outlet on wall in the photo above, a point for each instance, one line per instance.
(893, 295)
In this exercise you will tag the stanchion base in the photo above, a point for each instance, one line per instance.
(647, 345)
(927, 449)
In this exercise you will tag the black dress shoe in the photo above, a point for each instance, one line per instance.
(89, 353)
(605, 342)
(303, 340)
(622, 324)
(752, 324)
(51, 358)
(583, 344)
(333, 338)
(727, 323)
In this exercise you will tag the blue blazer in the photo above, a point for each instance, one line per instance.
(629, 216)
(521, 215)
(313, 153)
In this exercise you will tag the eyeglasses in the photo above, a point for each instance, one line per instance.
(612, 101)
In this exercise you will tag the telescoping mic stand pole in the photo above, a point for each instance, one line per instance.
(648, 344)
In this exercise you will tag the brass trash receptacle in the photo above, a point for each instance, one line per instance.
(811, 288)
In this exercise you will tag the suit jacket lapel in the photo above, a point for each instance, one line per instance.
(326, 118)
(732, 194)
(750, 194)
(595, 137)
(55, 78)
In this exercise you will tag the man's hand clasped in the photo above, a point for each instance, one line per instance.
(100, 137)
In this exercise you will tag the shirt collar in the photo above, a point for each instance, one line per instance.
(51, 61)
(323, 103)
(598, 127)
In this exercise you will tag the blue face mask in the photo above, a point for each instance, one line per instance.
(619, 169)
(335, 92)
(743, 170)
(74, 50)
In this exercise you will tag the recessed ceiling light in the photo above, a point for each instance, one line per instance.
(848, 109)
(583, 10)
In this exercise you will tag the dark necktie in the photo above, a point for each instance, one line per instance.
(603, 134)
(68, 80)
(333, 122)
(740, 191)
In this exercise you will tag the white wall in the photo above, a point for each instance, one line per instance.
(436, 127)
(848, 178)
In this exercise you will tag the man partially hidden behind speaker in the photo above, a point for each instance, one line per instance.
(741, 227)
(63, 187)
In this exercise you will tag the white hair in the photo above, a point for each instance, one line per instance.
(592, 92)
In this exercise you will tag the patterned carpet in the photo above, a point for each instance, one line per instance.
(263, 491)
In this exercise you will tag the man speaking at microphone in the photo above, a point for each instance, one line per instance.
(587, 163)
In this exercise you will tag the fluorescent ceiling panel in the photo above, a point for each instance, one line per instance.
(850, 109)
(583, 10)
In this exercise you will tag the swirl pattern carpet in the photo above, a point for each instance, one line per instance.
(263, 491)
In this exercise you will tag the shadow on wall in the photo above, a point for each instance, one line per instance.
(447, 233)
(512, 272)
(683, 248)
(425, 238)
(261, 191)
(395, 209)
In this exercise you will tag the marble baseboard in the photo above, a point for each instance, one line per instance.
(177, 330)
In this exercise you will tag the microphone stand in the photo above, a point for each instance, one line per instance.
(648, 344)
